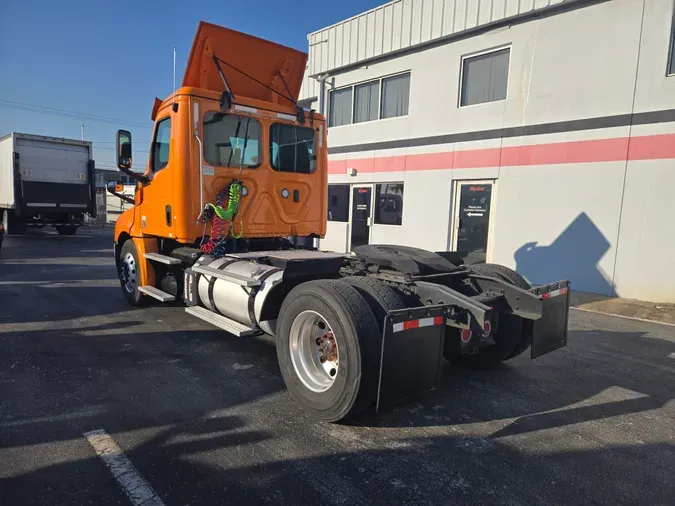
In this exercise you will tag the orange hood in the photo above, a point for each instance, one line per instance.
(259, 58)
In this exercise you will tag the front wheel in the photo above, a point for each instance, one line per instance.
(328, 349)
(129, 274)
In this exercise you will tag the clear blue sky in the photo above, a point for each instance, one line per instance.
(112, 58)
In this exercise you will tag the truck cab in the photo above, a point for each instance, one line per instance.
(206, 136)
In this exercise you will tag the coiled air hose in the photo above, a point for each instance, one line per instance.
(221, 217)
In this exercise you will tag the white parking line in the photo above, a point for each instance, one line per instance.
(137, 489)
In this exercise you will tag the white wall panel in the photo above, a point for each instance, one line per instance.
(645, 267)
(460, 16)
(471, 14)
(336, 237)
(7, 172)
(560, 222)
(426, 20)
(654, 90)
(485, 8)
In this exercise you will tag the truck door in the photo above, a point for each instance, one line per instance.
(155, 213)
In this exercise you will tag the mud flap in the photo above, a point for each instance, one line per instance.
(412, 349)
(550, 331)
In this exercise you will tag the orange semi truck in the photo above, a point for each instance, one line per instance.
(224, 218)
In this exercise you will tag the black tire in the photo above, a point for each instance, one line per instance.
(380, 297)
(134, 297)
(512, 334)
(66, 229)
(356, 333)
(500, 271)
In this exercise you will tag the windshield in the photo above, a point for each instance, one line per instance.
(224, 136)
(292, 148)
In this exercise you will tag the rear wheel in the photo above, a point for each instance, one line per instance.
(511, 333)
(381, 297)
(328, 349)
(129, 274)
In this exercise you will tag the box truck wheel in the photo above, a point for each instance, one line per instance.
(66, 230)
(511, 333)
(129, 274)
(328, 349)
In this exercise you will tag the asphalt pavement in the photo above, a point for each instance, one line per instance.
(204, 417)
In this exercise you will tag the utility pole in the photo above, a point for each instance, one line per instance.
(82, 127)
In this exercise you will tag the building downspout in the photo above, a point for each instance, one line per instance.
(322, 93)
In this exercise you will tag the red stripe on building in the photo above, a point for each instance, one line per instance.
(653, 147)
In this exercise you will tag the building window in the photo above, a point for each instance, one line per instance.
(395, 96)
(366, 98)
(292, 149)
(338, 202)
(485, 77)
(224, 136)
(160, 147)
(387, 97)
(671, 53)
(389, 204)
(340, 107)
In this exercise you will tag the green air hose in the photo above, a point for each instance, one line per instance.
(232, 203)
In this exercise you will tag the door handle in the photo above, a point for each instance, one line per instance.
(369, 221)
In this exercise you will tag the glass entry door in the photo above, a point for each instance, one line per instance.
(471, 219)
(361, 218)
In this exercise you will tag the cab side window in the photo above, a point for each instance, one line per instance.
(160, 146)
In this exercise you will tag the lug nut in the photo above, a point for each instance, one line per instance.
(322, 359)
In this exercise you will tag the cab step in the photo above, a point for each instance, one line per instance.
(221, 321)
(163, 259)
(226, 276)
(156, 293)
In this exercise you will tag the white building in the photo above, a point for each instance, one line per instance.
(539, 134)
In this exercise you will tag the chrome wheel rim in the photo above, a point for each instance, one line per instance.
(314, 351)
(128, 272)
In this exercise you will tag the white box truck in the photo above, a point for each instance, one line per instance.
(45, 181)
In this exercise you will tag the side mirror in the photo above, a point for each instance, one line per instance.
(124, 156)
(124, 150)
(116, 188)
